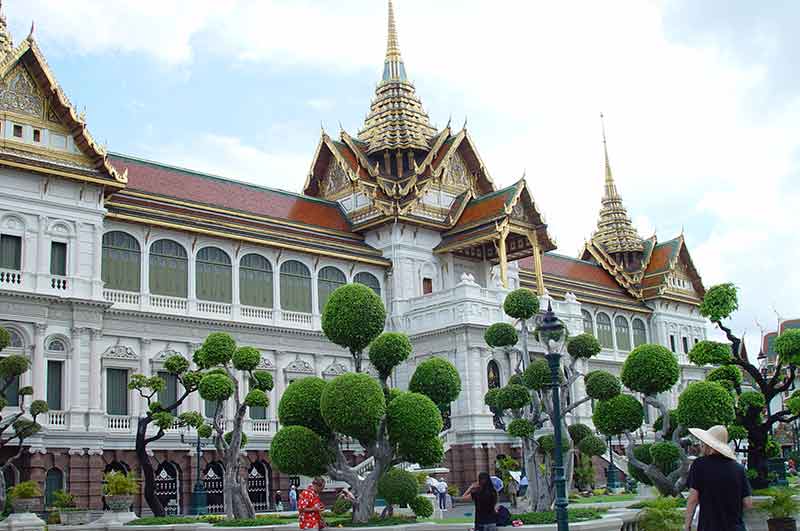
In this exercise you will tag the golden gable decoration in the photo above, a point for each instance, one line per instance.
(19, 93)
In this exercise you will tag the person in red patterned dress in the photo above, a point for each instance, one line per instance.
(309, 506)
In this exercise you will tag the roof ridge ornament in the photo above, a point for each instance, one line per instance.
(6, 42)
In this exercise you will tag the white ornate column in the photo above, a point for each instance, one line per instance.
(316, 322)
(76, 409)
(276, 292)
(38, 365)
(235, 295)
(144, 276)
(191, 284)
(193, 403)
(280, 381)
(42, 264)
(97, 277)
(96, 410)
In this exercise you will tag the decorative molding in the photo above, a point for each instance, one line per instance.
(76, 451)
(95, 451)
(120, 352)
(162, 356)
(299, 366)
(335, 369)
(265, 364)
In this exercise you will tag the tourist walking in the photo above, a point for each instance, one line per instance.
(310, 507)
(483, 493)
(293, 498)
(278, 501)
(718, 484)
(511, 490)
(441, 494)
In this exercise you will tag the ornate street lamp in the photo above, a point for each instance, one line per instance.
(611, 474)
(551, 332)
(199, 503)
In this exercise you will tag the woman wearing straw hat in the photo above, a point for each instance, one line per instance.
(718, 483)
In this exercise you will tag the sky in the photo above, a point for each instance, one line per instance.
(700, 100)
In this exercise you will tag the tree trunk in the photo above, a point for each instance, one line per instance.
(756, 456)
(148, 473)
(3, 486)
(237, 501)
(365, 492)
(538, 495)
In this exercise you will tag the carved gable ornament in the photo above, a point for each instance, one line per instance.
(164, 355)
(335, 179)
(18, 93)
(120, 352)
(518, 212)
(456, 173)
(335, 369)
(265, 364)
(299, 366)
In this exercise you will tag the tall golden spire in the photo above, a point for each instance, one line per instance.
(396, 119)
(6, 44)
(615, 231)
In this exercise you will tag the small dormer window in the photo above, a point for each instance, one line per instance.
(17, 131)
(37, 135)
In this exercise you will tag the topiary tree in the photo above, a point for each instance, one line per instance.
(393, 426)
(15, 427)
(526, 396)
(718, 305)
(163, 417)
(222, 362)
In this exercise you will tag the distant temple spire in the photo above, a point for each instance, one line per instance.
(393, 69)
(6, 44)
(615, 232)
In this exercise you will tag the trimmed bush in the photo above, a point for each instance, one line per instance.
(216, 387)
(787, 345)
(300, 405)
(501, 335)
(24, 489)
(522, 428)
(353, 317)
(163, 419)
(602, 385)
(705, 404)
(246, 358)
(578, 432)
(729, 373)
(388, 351)
(353, 404)
(422, 507)
(229, 436)
(437, 379)
(719, 302)
(650, 369)
(673, 424)
(664, 454)
(296, 450)
(256, 398)
(737, 433)
(341, 506)
(751, 400)
(642, 453)
(583, 346)
(424, 452)
(13, 365)
(261, 380)
(536, 375)
(191, 379)
(5, 338)
(492, 398)
(205, 431)
(397, 487)
(38, 407)
(521, 303)
(413, 416)
(618, 415)
(516, 379)
(218, 349)
(592, 445)
(710, 353)
(25, 428)
(513, 397)
(546, 443)
(176, 364)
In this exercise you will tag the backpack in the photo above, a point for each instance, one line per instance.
(503, 516)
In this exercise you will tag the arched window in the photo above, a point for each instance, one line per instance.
(15, 340)
(493, 382)
(588, 325)
(11, 393)
(604, 333)
(295, 287)
(213, 275)
(53, 481)
(56, 345)
(122, 260)
(328, 280)
(255, 281)
(369, 280)
(623, 333)
(169, 269)
(639, 333)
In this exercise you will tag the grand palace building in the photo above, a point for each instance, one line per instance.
(109, 264)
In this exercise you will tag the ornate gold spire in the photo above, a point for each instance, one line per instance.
(6, 44)
(615, 231)
(396, 119)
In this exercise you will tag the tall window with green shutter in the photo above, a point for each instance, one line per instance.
(639, 333)
(255, 281)
(213, 275)
(122, 261)
(58, 259)
(117, 391)
(623, 333)
(55, 376)
(369, 280)
(10, 252)
(209, 408)
(328, 280)
(295, 287)
(169, 394)
(11, 393)
(169, 269)
(588, 325)
(604, 332)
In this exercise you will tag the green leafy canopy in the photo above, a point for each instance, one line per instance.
(353, 317)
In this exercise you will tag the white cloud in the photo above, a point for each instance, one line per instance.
(320, 104)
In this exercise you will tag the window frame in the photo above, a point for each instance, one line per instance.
(622, 331)
(59, 243)
(328, 284)
(215, 271)
(107, 257)
(643, 331)
(601, 331)
(20, 250)
(180, 294)
(60, 405)
(243, 282)
(366, 274)
(586, 316)
(127, 373)
(307, 306)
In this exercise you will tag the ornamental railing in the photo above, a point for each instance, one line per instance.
(118, 422)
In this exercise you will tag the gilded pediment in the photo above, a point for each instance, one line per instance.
(19, 93)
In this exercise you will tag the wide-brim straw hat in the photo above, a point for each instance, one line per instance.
(717, 438)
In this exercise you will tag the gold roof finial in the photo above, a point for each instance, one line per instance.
(393, 67)
(6, 44)
(611, 189)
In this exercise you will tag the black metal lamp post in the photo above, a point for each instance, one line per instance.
(611, 474)
(199, 503)
(551, 332)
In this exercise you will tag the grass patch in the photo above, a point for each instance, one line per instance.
(549, 517)
(641, 505)
(604, 498)
(373, 522)
(251, 522)
(164, 520)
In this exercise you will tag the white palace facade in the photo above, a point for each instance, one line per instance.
(109, 264)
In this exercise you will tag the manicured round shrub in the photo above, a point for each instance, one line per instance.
(389, 350)
(25, 391)
(218, 349)
(5, 338)
(501, 335)
(592, 445)
(256, 398)
(514, 397)
(492, 398)
(650, 369)
(176, 364)
(729, 373)
(422, 507)
(787, 345)
(191, 418)
(546, 443)
(300, 405)
(618, 415)
(521, 303)
(437, 379)
(522, 428)
(424, 452)
(664, 454)
(246, 358)
(205, 431)
(38, 407)
(191, 379)
(163, 419)
(793, 403)
(353, 317)
(394, 393)
(642, 453)
(578, 432)
(216, 387)
(516, 379)
(583, 346)
(719, 302)
(199, 359)
(772, 448)
(341, 506)
(296, 450)
(602, 385)
(398, 487)
(413, 416)
(229, 436)
(353, 404)
(737, 432)
(710, 353)
(705, 404)
(673, 424)
(24, 428)
(751, 400)
(13, 365)
(536, 375)
(261, 380)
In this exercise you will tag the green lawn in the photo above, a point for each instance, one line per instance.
(603, 498)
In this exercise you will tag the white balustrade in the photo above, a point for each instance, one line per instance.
(118, 422)
(258, 314)
(58, 283)
(56, 419)
(297, 318)
(128, 298)
(168, 304)
(216, 308)
(263, 426)
(10, 278)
